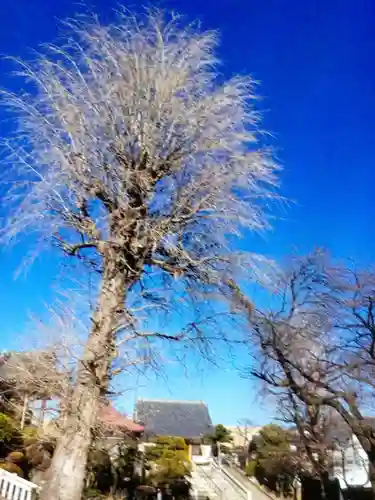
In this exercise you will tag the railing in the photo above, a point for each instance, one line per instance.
(241, 488)
(221, 484)
(213, 486)
(13, 487)
(239, 476)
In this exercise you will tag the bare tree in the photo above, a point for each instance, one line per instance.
(134, 159)
(45, 370)
(26, 377)
(246, 429)
(313, 425)
(315, 343)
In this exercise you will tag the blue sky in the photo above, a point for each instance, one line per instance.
(315, 63)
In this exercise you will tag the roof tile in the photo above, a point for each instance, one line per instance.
(187, 419)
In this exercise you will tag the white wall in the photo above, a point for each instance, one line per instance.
(351, 465)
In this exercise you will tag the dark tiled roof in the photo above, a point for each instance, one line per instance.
(187, 419)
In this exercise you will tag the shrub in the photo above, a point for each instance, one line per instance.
(170, 442)
(39, 454)
(15, 457)
(30, 435)
(169, 461)
(13, 468)
(251, 468)
(10, 436)
(7, 427)
(92, 493)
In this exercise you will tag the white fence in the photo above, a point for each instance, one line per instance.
(13, 487)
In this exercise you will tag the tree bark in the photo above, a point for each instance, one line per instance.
(366, 440)
(372, 476)
(69, 461)
(24, 410)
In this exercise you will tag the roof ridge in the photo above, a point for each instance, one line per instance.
(183, 401)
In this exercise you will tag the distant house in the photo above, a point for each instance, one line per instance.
(116, 429)
(187, 419)
(114, 421)
(242, 435)
(350, 461)
(29, 388)
(349, 464)
(109, 416)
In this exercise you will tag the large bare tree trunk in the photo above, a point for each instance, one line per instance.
(366, 440)
(69, 461)
(372, 473)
